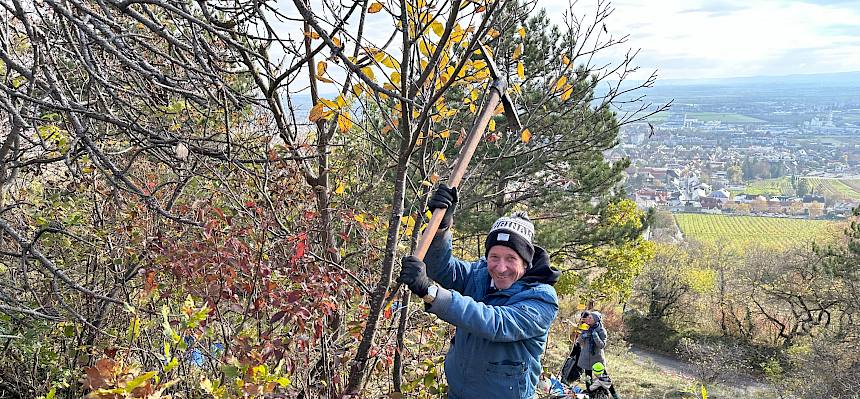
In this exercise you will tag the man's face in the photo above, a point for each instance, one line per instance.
(505, 266)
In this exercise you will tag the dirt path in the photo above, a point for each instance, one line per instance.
(675, 366)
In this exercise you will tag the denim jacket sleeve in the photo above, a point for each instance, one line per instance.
(447, 270)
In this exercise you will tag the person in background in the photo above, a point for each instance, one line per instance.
(591, 341)
(600, 380)
(502, 305)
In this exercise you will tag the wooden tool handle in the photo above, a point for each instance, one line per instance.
(460, 165)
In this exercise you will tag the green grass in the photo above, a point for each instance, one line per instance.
(659, 118)
(769, 187)
(744, 231)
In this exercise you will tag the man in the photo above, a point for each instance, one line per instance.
(502, 305)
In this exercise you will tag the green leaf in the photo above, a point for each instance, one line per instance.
(51, 393)
(134, 328)
(140, 380)
(230, 371)
(171, 364)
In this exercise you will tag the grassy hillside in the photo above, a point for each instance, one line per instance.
(636, 377)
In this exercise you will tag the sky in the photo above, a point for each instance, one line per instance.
(684, 39)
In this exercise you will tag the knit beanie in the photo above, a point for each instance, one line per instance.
(515, 232)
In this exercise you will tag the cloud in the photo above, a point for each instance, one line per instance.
(700, 39)
(718, 8)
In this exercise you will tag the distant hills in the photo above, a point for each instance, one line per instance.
(840, 79)
(842, 89)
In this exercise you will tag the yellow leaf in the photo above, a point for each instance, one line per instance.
(522, 32)
(458, 34)
(517, 52)
(395, 78)
(425, 48)
(472, 108)
(336, 41)
(565, 60)
(340, 188)
(568, 91)
(560, 83)
(368, 71)
(704, 392)
(312, 35)
(492, 125)
(526, 135)
(316, 112)
(341, 102)
(499, 109)
(474, 94)
(324, 79)
(440, 156)
(357, 89)
(445, 133)
(330, 104)
(521, 72)
(437, 27)
(321, 67)
(359, 218)
(390, 62)
(375, 8)
(493, 33)
(343, 123)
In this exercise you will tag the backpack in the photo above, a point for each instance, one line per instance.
(570, 372)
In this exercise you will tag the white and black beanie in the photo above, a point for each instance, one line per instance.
(515, 232)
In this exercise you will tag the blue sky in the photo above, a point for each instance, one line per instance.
(686, 39)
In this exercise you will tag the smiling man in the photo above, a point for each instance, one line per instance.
(502, 305)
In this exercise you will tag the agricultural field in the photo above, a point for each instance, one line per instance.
(744, 231)
(769, 187)
(838, 189)
(830, 188)
(722, 117)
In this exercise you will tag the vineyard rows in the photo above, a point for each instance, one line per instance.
(838, 189)
(745, 231)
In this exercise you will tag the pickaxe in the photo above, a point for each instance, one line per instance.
(498, 93)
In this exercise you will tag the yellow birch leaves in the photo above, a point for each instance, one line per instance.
(324, 109)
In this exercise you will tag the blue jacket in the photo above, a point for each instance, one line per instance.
(501, 335)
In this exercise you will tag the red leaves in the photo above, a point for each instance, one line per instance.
(299, 241)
